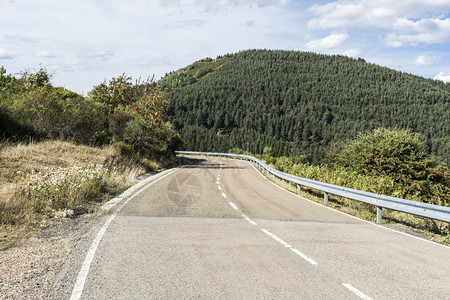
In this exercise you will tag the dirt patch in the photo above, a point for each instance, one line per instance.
(29, 270)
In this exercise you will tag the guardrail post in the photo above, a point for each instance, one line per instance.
(283, 182)
(274, 177)
(325, 198)
(379, 215)
(298, 188)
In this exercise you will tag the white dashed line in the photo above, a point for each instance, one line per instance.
(311, 261)
(276, 238)
(233, 205)
(357, 292)
(249, 220)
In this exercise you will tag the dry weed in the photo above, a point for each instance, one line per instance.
(38, 178)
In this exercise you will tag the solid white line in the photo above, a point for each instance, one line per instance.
(311, 261)
(82, 275)
(357, 292)
(276, 238)
(233, 205)
(224, 195)
(249, 220)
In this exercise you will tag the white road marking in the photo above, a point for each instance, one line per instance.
(219, 187)
(276, 238)
(249, 220)
(357, 292)
(343, 213)
(233, 205)
(311, 261)
(82, 275)
(224, 195)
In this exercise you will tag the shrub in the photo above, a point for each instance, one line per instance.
(102, 137)
(6, 81)
(387, 152)
(399, 156)
(59, 113)
(39, 79)
(125, 149)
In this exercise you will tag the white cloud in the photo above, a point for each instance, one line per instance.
(21, 38)
(88, 41)
(428, 31)
(98, 55)
(401, 22)
(224, 3)
(424, 60)
(45, 54)
(352, 53)
(4, 54)
(329, 42)
(186, 23)
(443, 76)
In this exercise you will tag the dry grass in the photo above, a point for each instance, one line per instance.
(20, 163)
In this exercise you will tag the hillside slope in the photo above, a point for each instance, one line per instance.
(300, 103)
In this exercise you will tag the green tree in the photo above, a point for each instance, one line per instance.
(114, 93)
(39, 79)
(399, 155)
(5, 80)
(59, 113)
(267, 151)
(386, 152)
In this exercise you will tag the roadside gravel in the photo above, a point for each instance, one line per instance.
(29, 270)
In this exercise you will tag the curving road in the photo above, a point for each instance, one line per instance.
(218, 229)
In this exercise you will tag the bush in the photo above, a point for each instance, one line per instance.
(385, 152)
(125, 149)
(39, 79)
(102, 137)
(6, 81)
(10, 128)
(59, 113)
(237, 151)
(400, 156)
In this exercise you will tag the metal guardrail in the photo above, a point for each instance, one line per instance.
(436, 212)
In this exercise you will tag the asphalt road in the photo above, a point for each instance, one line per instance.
(219, 229)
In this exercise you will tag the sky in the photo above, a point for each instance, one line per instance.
(84, 42)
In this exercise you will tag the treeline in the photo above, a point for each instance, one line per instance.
(302, 103)
(127, 114)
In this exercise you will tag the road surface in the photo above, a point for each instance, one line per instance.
(218, 229)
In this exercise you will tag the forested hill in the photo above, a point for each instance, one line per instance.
(300, 103)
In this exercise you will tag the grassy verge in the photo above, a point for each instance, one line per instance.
(41, 183)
